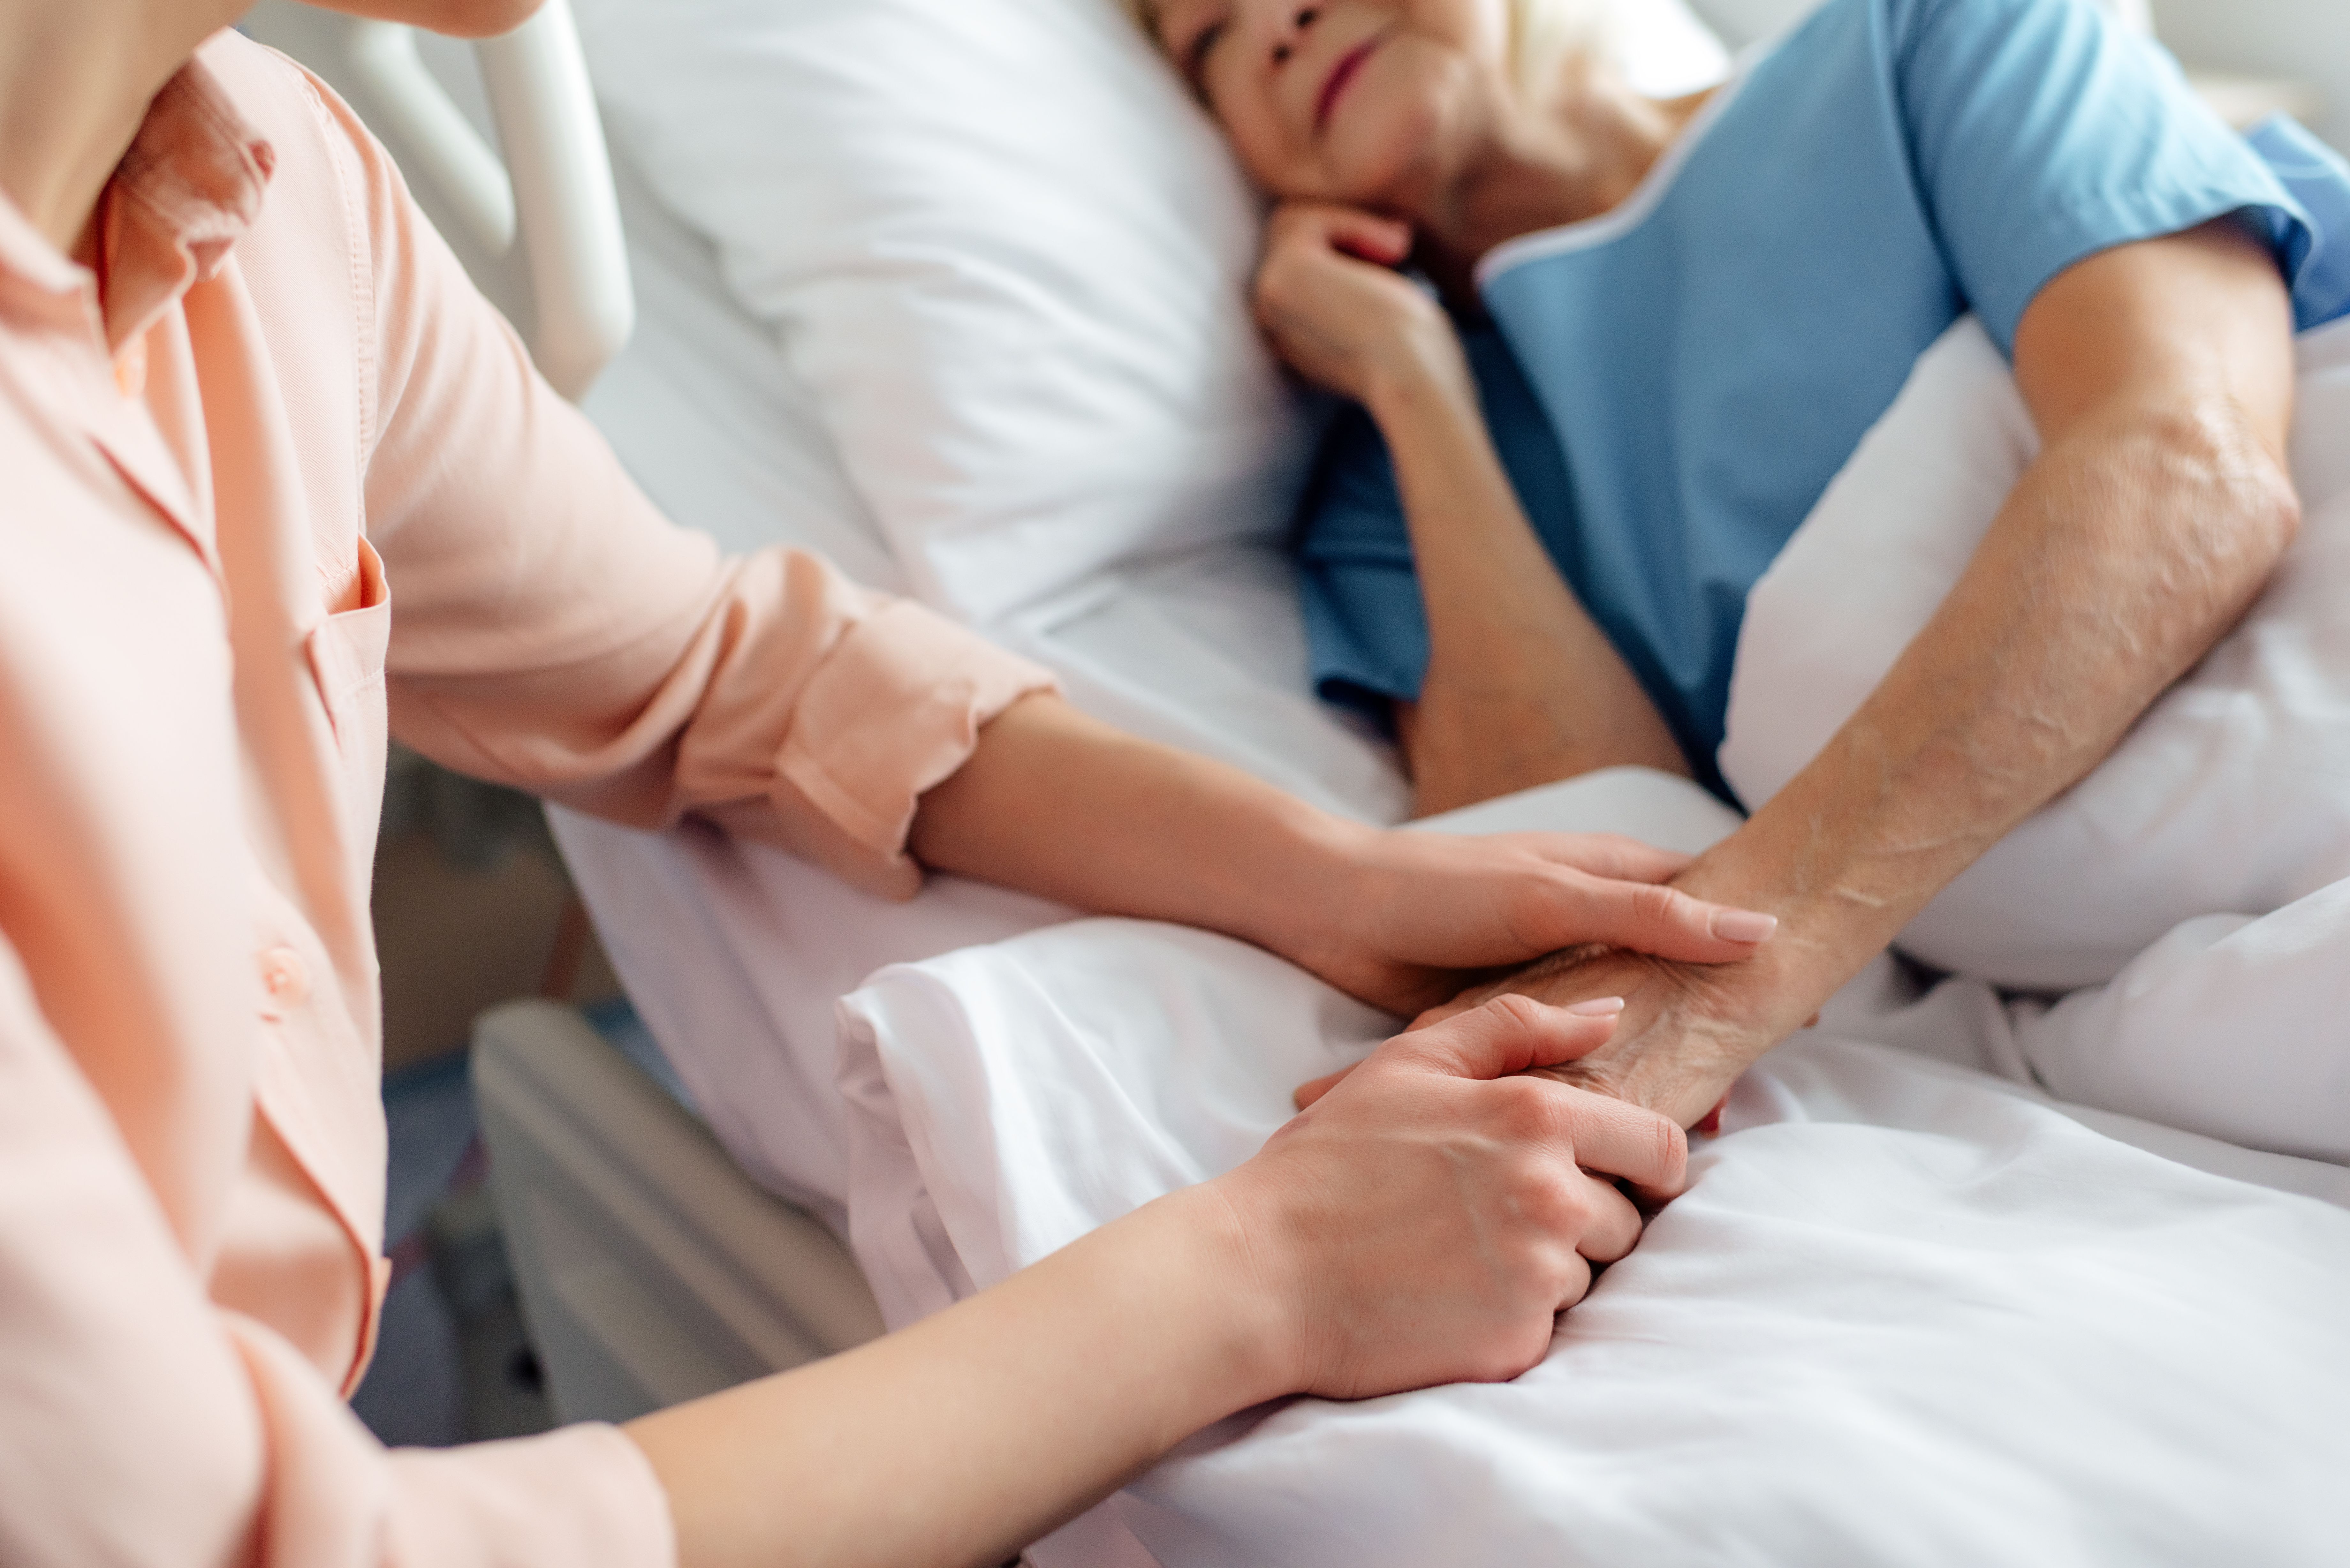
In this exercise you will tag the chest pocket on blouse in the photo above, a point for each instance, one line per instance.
(347, 659)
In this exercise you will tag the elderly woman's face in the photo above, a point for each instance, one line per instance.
(1348, 101)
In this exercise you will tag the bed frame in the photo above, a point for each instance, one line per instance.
(539, 229)
(651, 1270)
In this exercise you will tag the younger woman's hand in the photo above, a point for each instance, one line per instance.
(1426, 1220)
(1405, 919)
(1330, 299)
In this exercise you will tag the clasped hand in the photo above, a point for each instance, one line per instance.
(1685, 1032)
(1403, 919)
(1426, 1221)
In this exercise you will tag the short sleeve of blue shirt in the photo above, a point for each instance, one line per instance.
(1672, 385)
(2040, 134)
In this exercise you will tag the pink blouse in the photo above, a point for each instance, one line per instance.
(222, 459)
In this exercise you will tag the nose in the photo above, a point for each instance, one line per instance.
(1299, 20)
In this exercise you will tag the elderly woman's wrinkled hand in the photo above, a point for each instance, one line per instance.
(1329, 298)
(1686, 1032)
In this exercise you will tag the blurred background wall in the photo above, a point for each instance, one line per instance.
(2307, 40)
(2296, 42)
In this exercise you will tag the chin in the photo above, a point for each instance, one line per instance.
(1392, 163)
(1389, 150)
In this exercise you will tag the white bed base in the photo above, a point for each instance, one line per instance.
(650, 1269)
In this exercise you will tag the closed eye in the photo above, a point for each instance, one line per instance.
(1195, 57)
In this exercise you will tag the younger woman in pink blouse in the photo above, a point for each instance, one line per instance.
(246, 400)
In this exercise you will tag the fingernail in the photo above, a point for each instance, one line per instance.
(1743, 925)
(1600, 1007)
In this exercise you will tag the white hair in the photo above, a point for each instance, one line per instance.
(1544, 34)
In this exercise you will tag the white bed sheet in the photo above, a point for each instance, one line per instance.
(1907, 1314)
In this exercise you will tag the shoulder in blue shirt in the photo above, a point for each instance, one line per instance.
(1672, 385)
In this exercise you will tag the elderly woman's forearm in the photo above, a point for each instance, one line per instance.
(1521, 686)
(2061, 634)
(2154, 517)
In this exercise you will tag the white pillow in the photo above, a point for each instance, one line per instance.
(1005, 251)
(2230, 795)
(1002, 249)
(709, 419)
(1664, 49)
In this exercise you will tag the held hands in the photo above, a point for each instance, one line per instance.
(1329, 298)
(1686, 1031)
(1398, 916)
(1060, 804)
(1425, 1221)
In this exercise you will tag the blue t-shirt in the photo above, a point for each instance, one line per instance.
(1672, 385)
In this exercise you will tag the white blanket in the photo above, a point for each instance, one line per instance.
(1907, 1314)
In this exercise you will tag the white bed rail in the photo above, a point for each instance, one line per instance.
(554, 188)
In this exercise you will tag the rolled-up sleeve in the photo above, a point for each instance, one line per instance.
(551, 629)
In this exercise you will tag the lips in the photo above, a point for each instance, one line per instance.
(1340, 75)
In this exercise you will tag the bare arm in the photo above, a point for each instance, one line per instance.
(2160, 375)
(1056, 804)
(965, 1437)
(1422, 1225)
(1521, 686)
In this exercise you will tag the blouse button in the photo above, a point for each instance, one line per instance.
(283, 977)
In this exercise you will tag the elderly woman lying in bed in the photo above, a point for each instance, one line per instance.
(1658, 330)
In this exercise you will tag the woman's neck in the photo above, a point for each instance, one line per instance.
(76, 78)
(1575, 157)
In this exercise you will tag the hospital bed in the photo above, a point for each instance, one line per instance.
(667, 1245)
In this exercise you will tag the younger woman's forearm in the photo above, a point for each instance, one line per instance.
(961, 1439)
(1057, 803)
